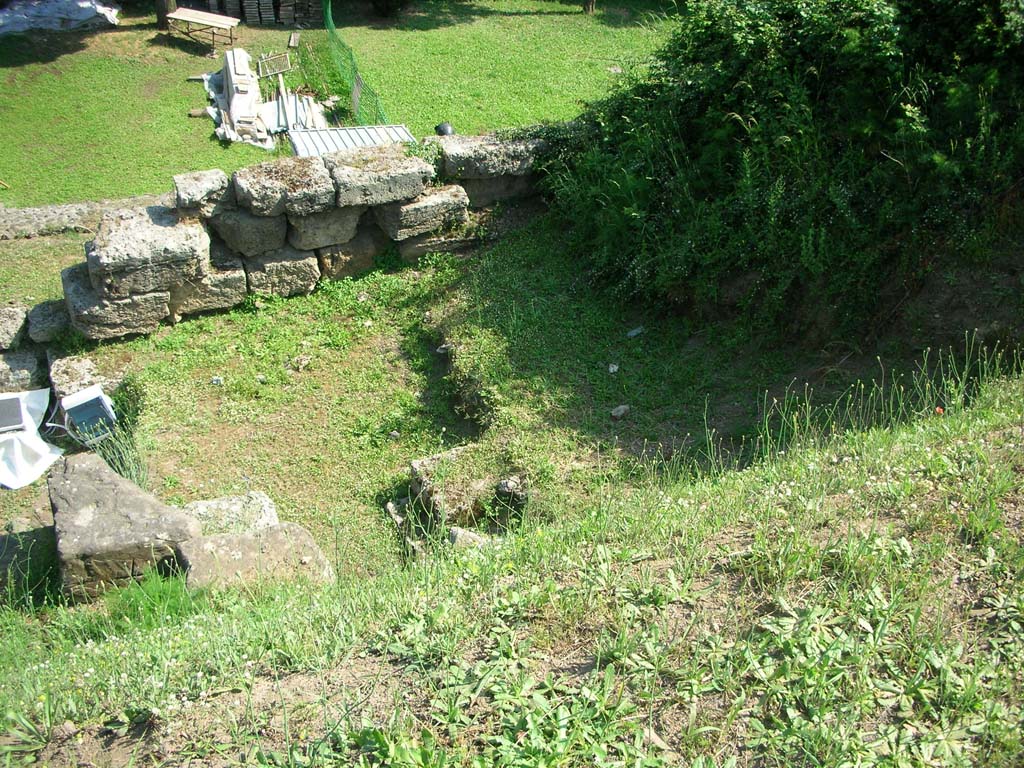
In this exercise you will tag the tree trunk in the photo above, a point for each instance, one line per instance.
(589, 5)
(163, 7)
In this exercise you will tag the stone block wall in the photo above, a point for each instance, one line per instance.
(281, 226)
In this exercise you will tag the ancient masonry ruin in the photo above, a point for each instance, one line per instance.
(281, 226)
(274, 228)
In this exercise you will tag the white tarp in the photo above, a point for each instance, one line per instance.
(23, 15)
(24, 456)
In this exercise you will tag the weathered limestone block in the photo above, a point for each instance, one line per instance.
(142, 250)
(98, 318)
(250, 235)
(285, 551)
(110, 531)
(357, 255)
(255, 511)
(377, 175)
(323, 229)
(73, 373)
(296, 185)
(224, 286)
(20, 371)
(13, 323)
(284, 272)
(485, 192)
(48, 320)
(484, 157)
(437, 209)
(410, 250)
(203, 193)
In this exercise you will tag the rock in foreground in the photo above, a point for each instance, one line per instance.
(284, 551)
(110, 531)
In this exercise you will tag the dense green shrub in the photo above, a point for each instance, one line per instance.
(785, 155)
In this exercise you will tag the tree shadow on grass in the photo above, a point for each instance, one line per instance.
(424, 16)
(45, 46)
(183, 44)
(570, 354)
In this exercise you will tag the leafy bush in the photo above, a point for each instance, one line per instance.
(800, 159)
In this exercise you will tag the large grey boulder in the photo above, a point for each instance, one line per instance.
(285, 551)
(143, 250)
(255, 511)
(21, 371)
(250, 235)
(73, 373)
(357, 255)
(48, 320)
(203, 193)
(110, 531)
(377, 175)
(320, 230)
(437, 209)
(13, 323)
(284, 272)
(224, 286)
(296, 185)
(98, 318)
(483, 157)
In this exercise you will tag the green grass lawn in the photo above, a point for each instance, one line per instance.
(88, 116)
(498, 63)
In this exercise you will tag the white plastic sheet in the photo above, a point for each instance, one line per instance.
(23, 15)
(24, 455)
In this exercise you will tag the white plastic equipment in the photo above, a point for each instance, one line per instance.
(89, 415)
(24, 455)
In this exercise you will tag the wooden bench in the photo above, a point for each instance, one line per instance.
(202, 26)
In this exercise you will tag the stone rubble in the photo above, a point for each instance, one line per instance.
(278, 228)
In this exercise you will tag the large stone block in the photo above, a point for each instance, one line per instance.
(13, 323)
(377, 175)
(357, 255)
(73, 373)
(110, 531)
(255, 511)
(224, 286)
(485, 192)
(142, 250)
(483, 157)
(250, 235)
(320, 230)
(48, 320)
(285, 551)
(21, 371)
(296, 185)
(203, 193)
(99, 318)
(285, 272)
(437, 209)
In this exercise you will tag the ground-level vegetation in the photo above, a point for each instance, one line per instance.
(780, 554)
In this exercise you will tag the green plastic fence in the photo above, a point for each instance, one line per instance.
(366, 106)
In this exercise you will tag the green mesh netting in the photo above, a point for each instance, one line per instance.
(366, 106)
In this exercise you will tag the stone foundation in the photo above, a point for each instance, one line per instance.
(281, 226)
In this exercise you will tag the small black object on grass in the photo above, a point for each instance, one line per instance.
(444, 129)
